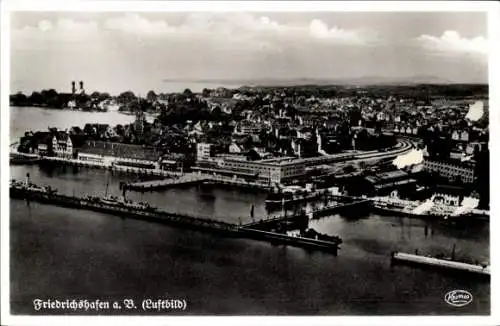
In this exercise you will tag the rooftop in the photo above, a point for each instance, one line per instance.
(137, 152)
(387, 177)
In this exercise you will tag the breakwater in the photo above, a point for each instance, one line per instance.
(444, 264)
(152, 214)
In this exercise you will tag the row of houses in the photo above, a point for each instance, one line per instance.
(458, 135)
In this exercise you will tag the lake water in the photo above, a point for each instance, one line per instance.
(24, 119)
(61, 253)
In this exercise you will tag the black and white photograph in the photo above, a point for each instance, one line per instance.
(259, 162)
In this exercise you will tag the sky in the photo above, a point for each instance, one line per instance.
(116, 52)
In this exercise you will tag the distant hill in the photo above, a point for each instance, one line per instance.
(359, 81)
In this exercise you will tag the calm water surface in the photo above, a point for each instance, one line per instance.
(24, 119)
(65, 253)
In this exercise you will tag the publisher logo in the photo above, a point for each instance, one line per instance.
(458, 298)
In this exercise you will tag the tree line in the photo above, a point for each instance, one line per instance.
(52, 99)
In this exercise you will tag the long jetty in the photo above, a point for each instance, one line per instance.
(297, 218)
(174, 219)
(339, 206)
(483, 270)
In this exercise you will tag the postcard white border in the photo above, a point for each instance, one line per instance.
(491, 7)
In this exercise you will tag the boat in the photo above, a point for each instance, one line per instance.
(115, 201)
(20, 160)
(449, 263)
(110, 200)
(17, 158)
(311, 233)
(28, 187)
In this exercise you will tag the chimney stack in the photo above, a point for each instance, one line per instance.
(81, 85)
(73, 87)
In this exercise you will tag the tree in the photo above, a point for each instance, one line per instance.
(126, 97)
(48, 94)
(187, 92)
(120, 130)
(18, 99)
(205, 92)
(83, 99)
(355, 116)
(216, 114)
(248, 142)
(151, 96)
(89, 129)
(253, 155)
(104, 96)
(36, 98)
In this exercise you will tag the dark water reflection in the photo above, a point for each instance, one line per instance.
(58, 252)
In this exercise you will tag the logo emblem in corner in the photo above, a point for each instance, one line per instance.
(458, 298)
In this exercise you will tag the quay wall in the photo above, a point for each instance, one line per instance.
(113, 167)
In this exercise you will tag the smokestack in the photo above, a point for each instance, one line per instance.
(81, 85)
(73, 87)
(27, 179)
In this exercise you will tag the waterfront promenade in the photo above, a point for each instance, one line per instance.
(113, 167)
(193, 178)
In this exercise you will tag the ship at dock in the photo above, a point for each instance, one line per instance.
(16, 158)
(26, 190)
(19, 188)
(439, 206)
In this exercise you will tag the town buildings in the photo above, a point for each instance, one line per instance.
(62, 146)
(385, 182)
(110, 153)
(203, 151)
(270, 171)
